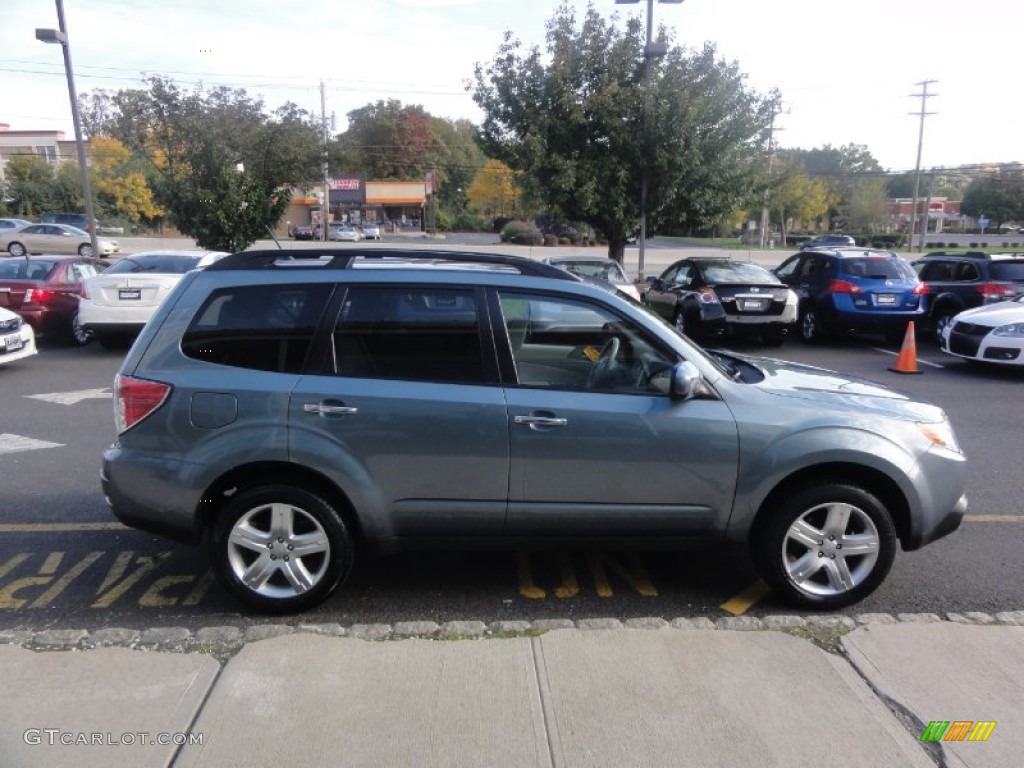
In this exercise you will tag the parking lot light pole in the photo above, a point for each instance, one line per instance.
(61, 36)
(651, 50)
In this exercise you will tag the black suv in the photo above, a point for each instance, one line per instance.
(79, 220)
(963, 281)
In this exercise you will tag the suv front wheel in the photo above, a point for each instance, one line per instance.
(280, 549)
(826, 547)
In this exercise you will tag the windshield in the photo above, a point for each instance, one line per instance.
(736, 272)
(608, 271)
(878, 268)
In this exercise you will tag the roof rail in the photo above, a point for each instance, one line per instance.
(343, 258)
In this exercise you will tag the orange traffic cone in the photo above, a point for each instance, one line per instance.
(907, 360)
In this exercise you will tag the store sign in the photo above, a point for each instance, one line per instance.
(348, 190)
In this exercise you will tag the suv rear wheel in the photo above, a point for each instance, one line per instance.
(280, 549)
(811, 329)
(826, 547)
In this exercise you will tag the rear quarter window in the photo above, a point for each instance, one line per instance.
(259, 327)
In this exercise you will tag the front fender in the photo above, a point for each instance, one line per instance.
(764, 469)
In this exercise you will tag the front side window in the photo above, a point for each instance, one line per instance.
(261, 327)
(564, 343)
(421, 333)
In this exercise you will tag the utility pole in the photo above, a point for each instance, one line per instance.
(327, 179)
(923, 95)
(776, 110)
(927, 211)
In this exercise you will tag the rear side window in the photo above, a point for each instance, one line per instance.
(25, 270)
(1008, 270)
(425, 333)
(261, 327)
(163, 263)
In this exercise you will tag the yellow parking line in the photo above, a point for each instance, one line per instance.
(741, 603)
(60, 527)
(994, 518)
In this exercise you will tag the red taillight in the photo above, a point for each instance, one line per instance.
(135, 399)
(843, 286)
(708, 296)
(920, 289)
(38, 296)
(994, 289)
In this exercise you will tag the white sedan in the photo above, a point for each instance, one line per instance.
(17, 339)
(344, 233)
(54, 238)
(992, 334)
(116, 304)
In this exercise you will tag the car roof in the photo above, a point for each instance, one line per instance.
(847, 251)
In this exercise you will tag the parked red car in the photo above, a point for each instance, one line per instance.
(44, 291)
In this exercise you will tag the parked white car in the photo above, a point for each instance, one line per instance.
(116, 304)
(993, 333)
(344, 233)
(17, 339)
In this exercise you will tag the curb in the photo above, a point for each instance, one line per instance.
(225, 641)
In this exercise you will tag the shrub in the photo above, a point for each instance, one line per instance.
(564, 240)
(974, 245)
(550, 240)
(500, 223)
(521, 233)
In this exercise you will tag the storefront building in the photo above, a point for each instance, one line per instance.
(395, 205)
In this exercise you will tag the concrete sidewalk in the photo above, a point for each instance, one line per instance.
(647, 693)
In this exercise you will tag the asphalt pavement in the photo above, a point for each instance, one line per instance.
(913, 690)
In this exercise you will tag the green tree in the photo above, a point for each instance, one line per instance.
(795, 195)
(998, 196)
(852, 175)
(196, 142)
(572, 120)
(30, 186)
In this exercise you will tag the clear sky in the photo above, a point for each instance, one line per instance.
(846, 70)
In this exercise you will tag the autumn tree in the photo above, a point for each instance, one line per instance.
(572, 119)
(494, 191)
(224, 165)
(388, 141)
(121, 191)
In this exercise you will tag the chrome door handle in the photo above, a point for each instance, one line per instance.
(541, 421)
(333, 410)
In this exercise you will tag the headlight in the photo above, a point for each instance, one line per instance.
(1013, 329)
(941, 434)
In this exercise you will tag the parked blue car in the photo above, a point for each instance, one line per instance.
(854, 289)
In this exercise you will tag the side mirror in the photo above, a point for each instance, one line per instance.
(685, 378)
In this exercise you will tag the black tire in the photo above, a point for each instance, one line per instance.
(679, 321)
(77, 336)
(778, 546)
(942, 318)
(16, 249)
(310, 578)
(85, 250)
(812, 330)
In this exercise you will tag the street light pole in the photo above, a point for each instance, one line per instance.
(61, 36)
(650, 51)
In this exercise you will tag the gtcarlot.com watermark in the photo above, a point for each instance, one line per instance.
(54, 736)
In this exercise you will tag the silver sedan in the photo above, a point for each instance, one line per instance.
(54, 238)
